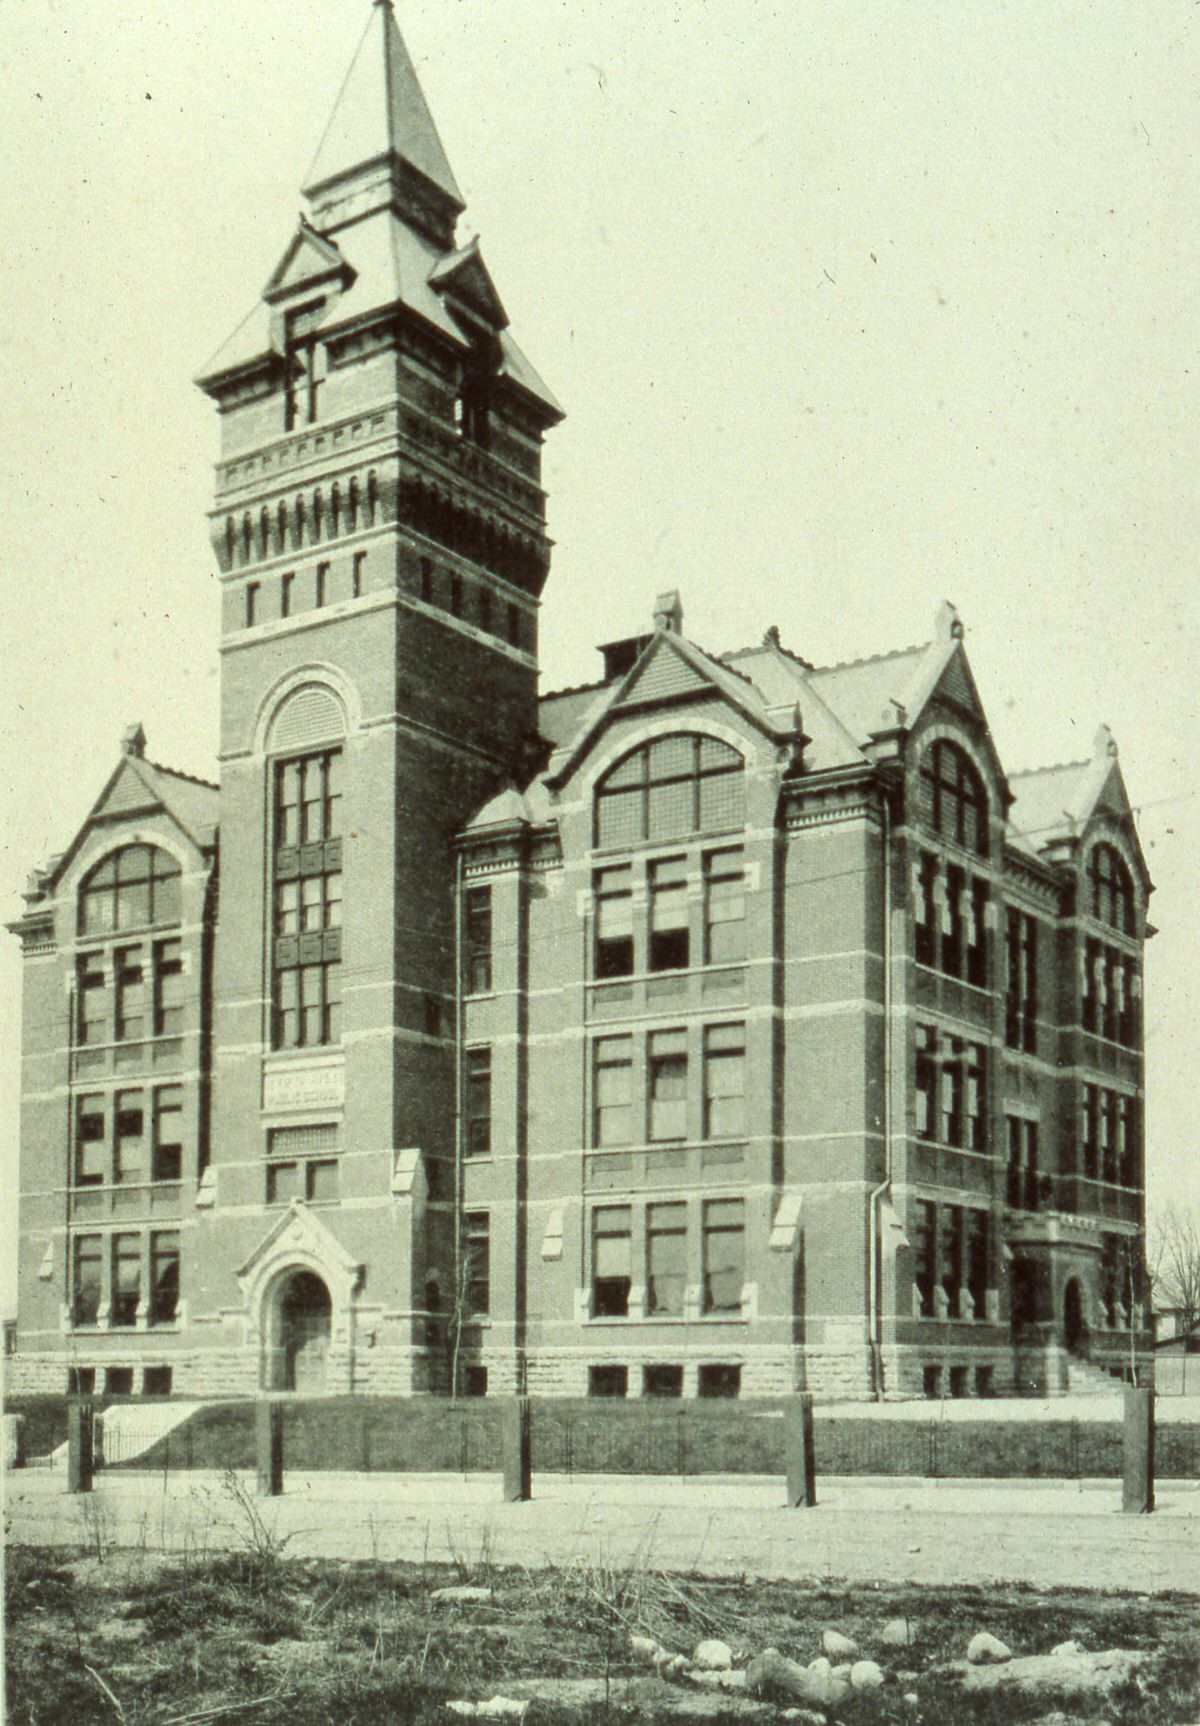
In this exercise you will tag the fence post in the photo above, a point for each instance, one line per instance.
(799, 1450)
(268, 1448)
(80, 1442)
(1138, 1494)
(515, 1450)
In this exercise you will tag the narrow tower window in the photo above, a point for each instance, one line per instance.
(307, 943)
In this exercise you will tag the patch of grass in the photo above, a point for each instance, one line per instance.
(276, 1642)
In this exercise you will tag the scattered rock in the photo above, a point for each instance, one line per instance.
(833, 1642)
(713, 1655)
(911, 1697)
(496, 1708)
(772, 1674)
(841, 1670)
(461, 1592)
(897, 1633)
(806, 1715)
(647, 1648)
(820, 1666)
(724, 1679)
(1067, 1648)
(1057, 1676)
(671, 1665)
(986, 1650)
(865, 1675)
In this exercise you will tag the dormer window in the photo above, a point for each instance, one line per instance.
(473, 405)
(954, 798)
(1111, 889)
(305, 365)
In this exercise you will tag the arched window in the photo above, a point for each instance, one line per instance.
(352, 506)
(264, 532)
(230, 540)
(298, 537)
(335, 510)
(1111, 889)
(131, 889)
(281, 518)
(247, 538)
(372, 497)
(953, 797)
(669, 788)
(318, 515)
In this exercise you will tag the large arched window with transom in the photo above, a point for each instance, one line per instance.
(670, 788)
(136, 887)
(1111, 889)
(953, 797)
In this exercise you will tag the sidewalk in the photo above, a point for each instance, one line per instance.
(1049, 1533)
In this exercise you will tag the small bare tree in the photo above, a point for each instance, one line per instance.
(1173, 1262)
(463, 1311)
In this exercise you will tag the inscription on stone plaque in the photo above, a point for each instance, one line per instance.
(315, 1087)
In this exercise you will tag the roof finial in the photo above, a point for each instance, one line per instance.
(1104, 744)
(133, 740)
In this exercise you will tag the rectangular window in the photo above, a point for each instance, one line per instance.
(164, 1276)
(1127, 1141)
(307, 901)
(977, 954)
(924, 1256)
(131, 994)
(456, 596)
(666, 1256)
(252, 590)
(485, 610)
(479, 940)
(613, 1091)
(321, 1181)
(477, 1262)
(1014, 1161)
(87, 1260)
(724, 1081)
(156, 1381)
(126, 1278)
(1108, 1134)
(118, 1381)
(91, 1159)
(283, 1182)
(129, 1162)
(167, 1162)
(952, 1255)
(168, 988)
(475, 1381)
(357, 571)
(719, 1379)
(953, 1121)
(667, 1080)
(977, 1121)
(977, 1261)
(724, 1255)
(724, 907)
(322, 583)
(479, 1102)
(1130, 987)
(662, 1381)
(92, 1019)
(926, 1083)
(668, 914)
(608, 1380)
(952, 922)
(926, 931)
(1091, 1131)
(286, 583)
(614, 922)
(514, 626)
(426, 581)
(611, 1261)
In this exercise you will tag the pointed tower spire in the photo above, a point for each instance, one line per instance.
(381, 137)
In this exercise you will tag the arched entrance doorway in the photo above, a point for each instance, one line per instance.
(303, 1315)
(1073, 1326)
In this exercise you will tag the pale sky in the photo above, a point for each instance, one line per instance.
(853, 307)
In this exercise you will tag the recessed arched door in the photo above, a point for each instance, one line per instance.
(305, 1317)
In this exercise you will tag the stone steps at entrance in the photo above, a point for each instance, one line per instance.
(1084, 1379)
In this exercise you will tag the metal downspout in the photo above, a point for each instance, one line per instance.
(874, 1202)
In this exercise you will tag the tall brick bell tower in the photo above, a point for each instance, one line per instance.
(380, 530)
